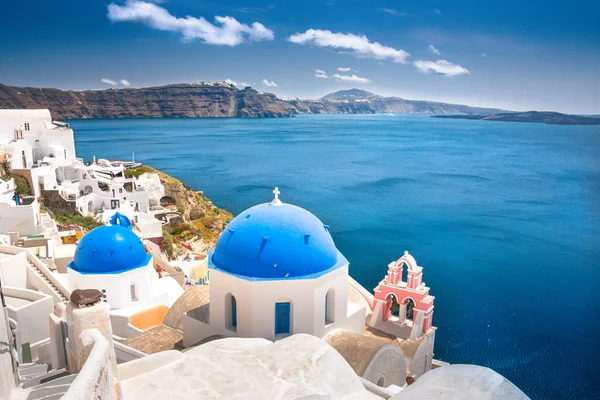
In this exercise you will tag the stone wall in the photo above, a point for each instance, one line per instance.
(55, 202)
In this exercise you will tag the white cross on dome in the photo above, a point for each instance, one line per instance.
(276, 201)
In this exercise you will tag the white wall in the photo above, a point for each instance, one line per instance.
(7, 378)
(32, 318)
(117, 286)
(13, 268)
(255, 303)
(44, 175)
(19, 218)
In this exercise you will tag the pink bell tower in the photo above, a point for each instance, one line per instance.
(412, 292)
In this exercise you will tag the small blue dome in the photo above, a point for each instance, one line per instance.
(109, 250)
(276, 242)
(120, 219)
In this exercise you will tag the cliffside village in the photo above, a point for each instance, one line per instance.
(267, 311)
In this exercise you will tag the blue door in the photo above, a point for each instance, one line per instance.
(282, 318)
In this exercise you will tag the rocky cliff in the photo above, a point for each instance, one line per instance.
(190, 100)
(201, 221)
(195, 100)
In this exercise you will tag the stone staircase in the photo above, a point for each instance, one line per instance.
(48, 282)
(44, 385)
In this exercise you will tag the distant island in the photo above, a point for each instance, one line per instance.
(212, 99)
(543, 117)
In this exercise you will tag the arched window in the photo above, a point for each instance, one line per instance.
(283, 317)
(231, 312)
(394, 307)
(330, 307)
(380, 382)
(410, 304)
(404, 272)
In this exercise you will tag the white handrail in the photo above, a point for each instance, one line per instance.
(95, 380)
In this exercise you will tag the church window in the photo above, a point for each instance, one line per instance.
(65, 152)
(133, 289)
(330, 306)
(231, 312)
(283, 311)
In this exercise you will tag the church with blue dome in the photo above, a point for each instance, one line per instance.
(113, 259)
(276, 271)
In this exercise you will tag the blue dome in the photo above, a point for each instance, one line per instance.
(276, 242)
(120, 219)
(109, 250)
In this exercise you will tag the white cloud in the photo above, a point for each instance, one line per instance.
(350, 78)
(392, 11)
(442, 67)
(344, 69)
(483, 55)
(109, 81)
(125, 82)
(434, 50)
(270, 84)
(229, 33)
(437, 11)
(357, 45)
(319, 73)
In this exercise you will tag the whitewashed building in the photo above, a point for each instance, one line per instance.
(113, 260)
(275, 272)
(43, 151)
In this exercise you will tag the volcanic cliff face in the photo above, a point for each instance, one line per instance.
(220, 99)
(171, 101)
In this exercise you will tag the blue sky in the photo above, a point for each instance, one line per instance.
(512, 54)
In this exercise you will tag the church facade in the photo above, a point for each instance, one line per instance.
(274, 272)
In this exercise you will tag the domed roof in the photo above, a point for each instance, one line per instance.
(276, 241)
(109, 250)
(120, 219)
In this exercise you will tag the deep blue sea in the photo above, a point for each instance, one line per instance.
(503, 217)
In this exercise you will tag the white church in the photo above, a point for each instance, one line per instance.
(274, 272)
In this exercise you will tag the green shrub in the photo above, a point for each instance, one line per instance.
(22, 185)
(136, 172)
(89, 223)
(167, 243)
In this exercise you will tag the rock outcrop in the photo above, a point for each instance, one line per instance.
(201, 217)
(187, 100)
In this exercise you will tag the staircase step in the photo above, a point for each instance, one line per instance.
(53, 396)
(46, 379)
(31, 377)
(32, 370)
(43, 392)
(65, 379)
